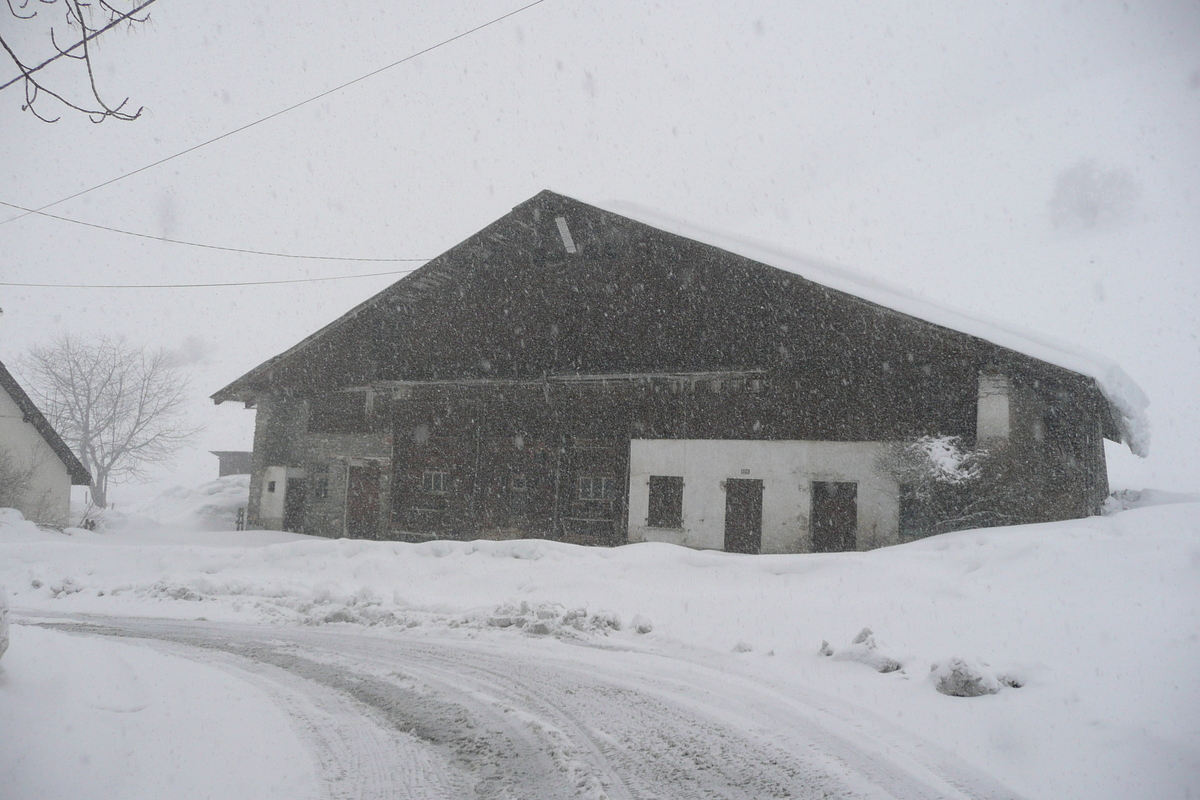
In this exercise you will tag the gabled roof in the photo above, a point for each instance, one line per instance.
(524, 257)
(33, 415)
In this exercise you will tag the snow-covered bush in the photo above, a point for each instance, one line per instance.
(946, 486)
(959, 677)
(938, 476)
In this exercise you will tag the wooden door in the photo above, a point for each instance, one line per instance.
(743, 515)
(834, 518)
(362, 502)
(293, 505)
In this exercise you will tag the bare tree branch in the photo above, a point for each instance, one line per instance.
(121, 408)
(97, 109)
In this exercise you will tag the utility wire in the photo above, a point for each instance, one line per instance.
(198, 285)
(199, 244)
(293, 107)
(25, 73)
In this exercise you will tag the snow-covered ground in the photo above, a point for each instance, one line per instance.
(1089, 631)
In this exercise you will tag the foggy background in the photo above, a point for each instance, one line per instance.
(939, 149)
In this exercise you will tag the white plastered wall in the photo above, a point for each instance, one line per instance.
(48, 499)
(787, 470)
(270, 507)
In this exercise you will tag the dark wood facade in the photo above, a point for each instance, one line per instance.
(495, 391)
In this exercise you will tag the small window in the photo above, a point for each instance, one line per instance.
(270, 486)
(597, 487)
(434, 482)
(666, 502)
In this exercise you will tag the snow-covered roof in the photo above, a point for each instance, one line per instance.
(1128, 401)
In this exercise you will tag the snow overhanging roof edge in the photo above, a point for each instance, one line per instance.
(1126, 398)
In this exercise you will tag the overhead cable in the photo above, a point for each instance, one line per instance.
(200, 244)
(198, 285)
(275, 114)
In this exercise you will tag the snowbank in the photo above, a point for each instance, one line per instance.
(1083, 629)
(212, 507)
(94, 719)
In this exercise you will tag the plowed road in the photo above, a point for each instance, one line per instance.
(403, 716)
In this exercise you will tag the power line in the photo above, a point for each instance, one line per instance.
(293, 107)
(198, 285)
(198, 244)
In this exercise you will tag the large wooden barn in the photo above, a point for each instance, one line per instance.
(571, 373)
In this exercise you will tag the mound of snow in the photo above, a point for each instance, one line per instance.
(864, 650)
(211, 507)
(1125, 499)
(1095, 714)
(14, 528)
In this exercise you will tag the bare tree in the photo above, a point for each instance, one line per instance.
(83, 22)
(1086, 195)
(121, 408)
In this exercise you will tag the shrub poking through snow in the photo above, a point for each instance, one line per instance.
(864, 650)
(939, 476)
(546, 619)
(958, 677)
(641, 624)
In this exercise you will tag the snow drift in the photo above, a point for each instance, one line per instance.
(1092, 677)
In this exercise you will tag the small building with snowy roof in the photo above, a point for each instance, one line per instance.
(575, 373)
(37, 468)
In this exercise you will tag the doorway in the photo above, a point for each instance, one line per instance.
(834, 516)
(743, 515)
(362, 502)
(293, 505)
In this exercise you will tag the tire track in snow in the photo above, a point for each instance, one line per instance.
(535, 718)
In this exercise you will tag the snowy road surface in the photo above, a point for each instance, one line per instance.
(394, 716)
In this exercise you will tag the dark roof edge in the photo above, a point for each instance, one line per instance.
(79, 474)
(239, 389)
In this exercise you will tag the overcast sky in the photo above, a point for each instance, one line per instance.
(919, 144)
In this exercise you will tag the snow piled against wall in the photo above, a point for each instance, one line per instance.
(1094, 679)
(211, 507)
(1128, 401)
